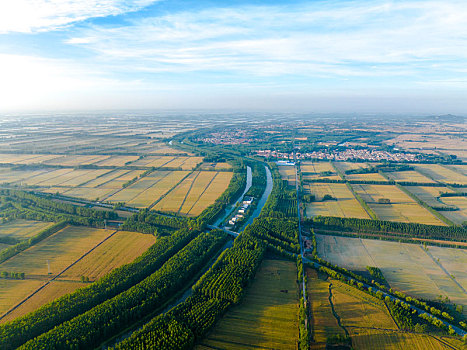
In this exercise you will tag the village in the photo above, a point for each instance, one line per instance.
(348, 154)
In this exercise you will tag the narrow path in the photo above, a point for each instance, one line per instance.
(170, 190)
(57, 276)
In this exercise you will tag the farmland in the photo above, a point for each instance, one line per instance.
(429, 194)
(408, 176)
(416, 271)
(458, 216)
(22, 229)
(344, 166)
(345, 204)
(323, 322)
(60, 250)
(370, 325)
(318, 170)
(365, 177)
(268, 316)
(441, 173)
(401, 207)
(121, 248)
(288, 173)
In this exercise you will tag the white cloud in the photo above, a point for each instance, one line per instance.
(38, 15)
(318, 39)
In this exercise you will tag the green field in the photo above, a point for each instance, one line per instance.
(267, 318)
(406, 267)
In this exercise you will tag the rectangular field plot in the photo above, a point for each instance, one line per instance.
(59, 250)
(370, 325)
(215, 188)
(153, 161)
(344, 166)
(215, 166)
(458, 216)
(75, 160)
(429, 194)
(120, 249)
(117, 161)
(345, 206)
(22, 229)
(441, 173)
(318, 170)
(408, 176)
(401, 208)
(406, 267)
(323, 322)
(25, 158)
(182, 198)
(148, 189)
(365, 177)
(287, 173)
(267, 318)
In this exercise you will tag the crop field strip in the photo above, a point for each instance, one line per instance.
(408, 176)
(197, 189)
(213, 190)
(323, 322)
(344, 166)
(60, 249)
(267, 318)
(313, 170)
(22, 229)
(119, 249)
(415, 271)
(441, 173)
(345, 206)
(174, 200)
(401, 208)
(458, 216)
(161, 187)
(287, 173)
(365, 177)
(371, 326)
(428, 194)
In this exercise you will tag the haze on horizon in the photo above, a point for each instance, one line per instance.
(322, 56)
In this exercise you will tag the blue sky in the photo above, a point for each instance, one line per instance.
(324, 56)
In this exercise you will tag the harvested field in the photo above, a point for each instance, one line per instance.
(458, 216)
(199, 188)
(267, 318)
(323, 322)
(153, 161)
(345, 206)
(401, 208)
(217, 186)
(117, 161)
(22, 229)
(365, 177)
(182, 198)
(287, 173)
(441, 173)
(415, 271)
(408, 176)
(428, 194)
(120, 249)
(344, 166)
(318, 170)
(61, 249)
(75, 160)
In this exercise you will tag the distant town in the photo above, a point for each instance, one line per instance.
(348, 154)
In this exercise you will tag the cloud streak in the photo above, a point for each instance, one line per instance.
(27, 16)
(354, 39)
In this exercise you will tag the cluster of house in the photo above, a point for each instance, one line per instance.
(240, 213)
(360, 154)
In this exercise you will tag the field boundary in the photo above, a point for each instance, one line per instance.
(170, 190)
(207, 186)
(188, 192)
(57, 276)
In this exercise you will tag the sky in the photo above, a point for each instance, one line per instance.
(312, 56)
